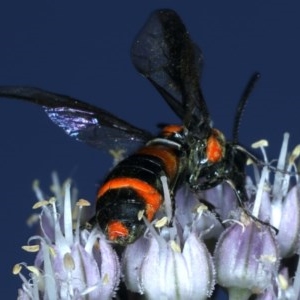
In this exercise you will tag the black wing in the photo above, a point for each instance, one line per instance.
(80, 120)
(164, 53)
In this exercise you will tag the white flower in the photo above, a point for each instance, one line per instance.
(70, 263)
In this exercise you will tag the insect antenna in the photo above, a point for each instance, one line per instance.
(242, 104)
(236, 125)
(237, 121)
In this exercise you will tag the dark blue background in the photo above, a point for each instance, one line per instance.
(82, 50)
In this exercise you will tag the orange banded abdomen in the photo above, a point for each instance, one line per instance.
(132, 187)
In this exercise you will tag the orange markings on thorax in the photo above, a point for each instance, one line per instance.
(215, 146)
(171, 129)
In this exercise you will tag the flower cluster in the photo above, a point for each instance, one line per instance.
(71, 262)
(203, 246)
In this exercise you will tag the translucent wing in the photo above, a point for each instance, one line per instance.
(164, 53)
(80, 120)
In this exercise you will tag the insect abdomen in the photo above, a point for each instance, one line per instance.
(134, 186)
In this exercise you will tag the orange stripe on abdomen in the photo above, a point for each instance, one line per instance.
(166, 155)
(153, 199)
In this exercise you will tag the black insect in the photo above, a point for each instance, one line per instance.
(192, 152)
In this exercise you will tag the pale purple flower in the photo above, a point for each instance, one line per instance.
(184, 254)
(70, 264)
